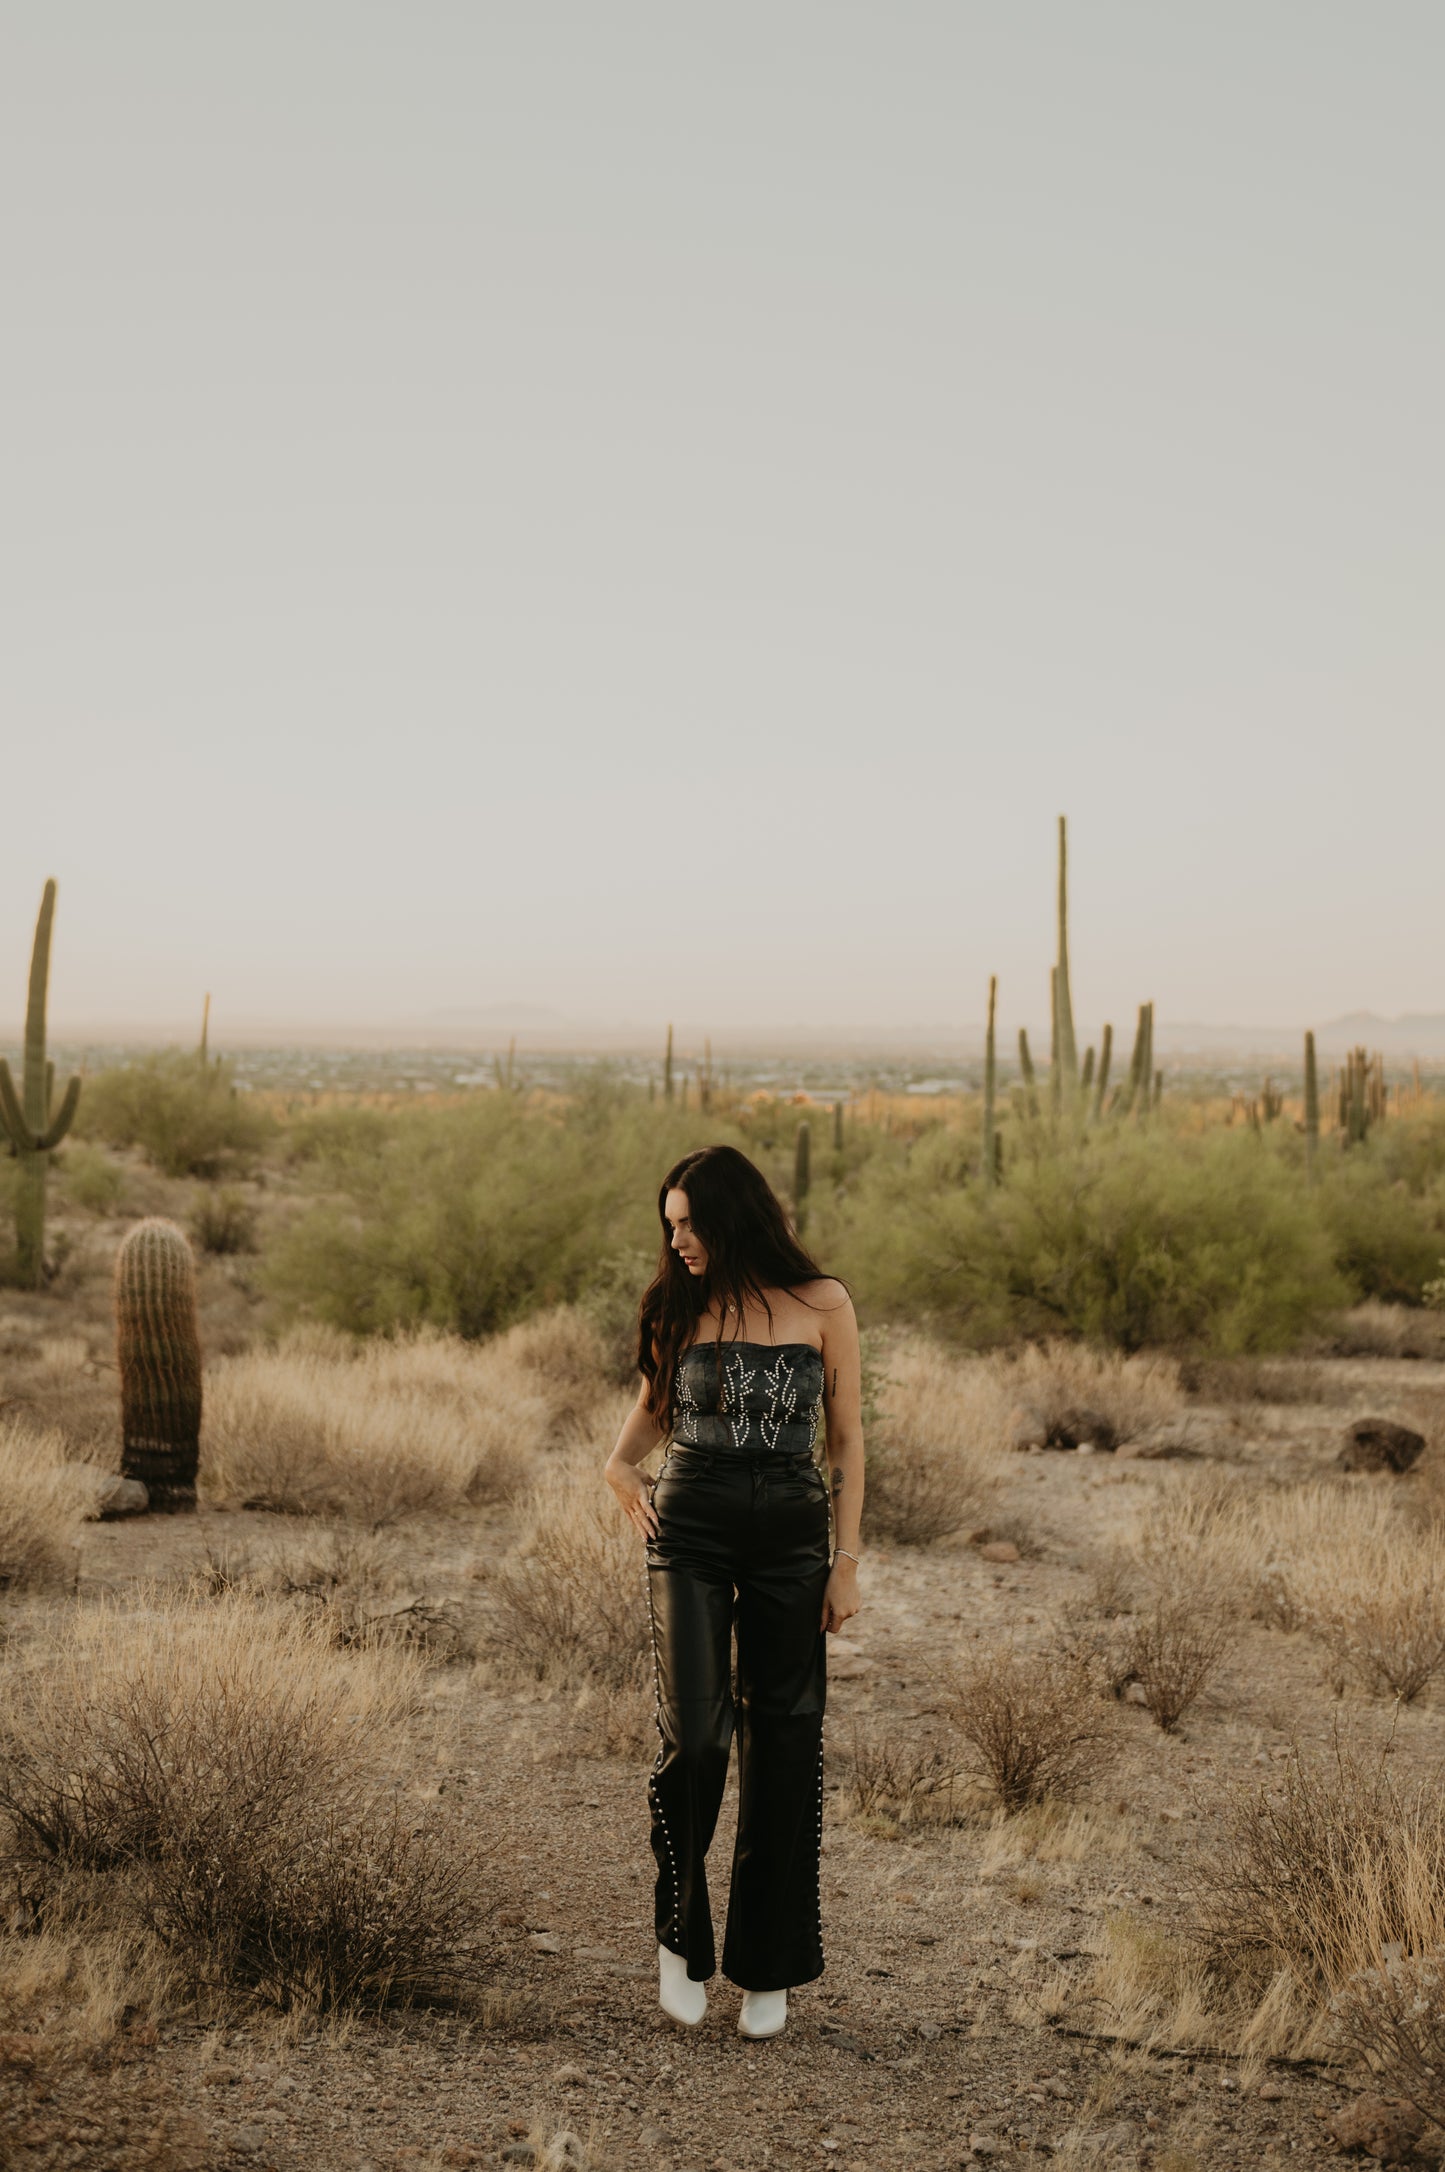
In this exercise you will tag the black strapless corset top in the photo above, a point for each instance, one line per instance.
(765, 1403)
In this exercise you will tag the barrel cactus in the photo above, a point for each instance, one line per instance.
(158, 1351)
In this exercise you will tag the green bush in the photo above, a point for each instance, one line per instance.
(186, 1120)
(1129, 1237)
(223, 1221)
(467, 1217)
(1386, 1239)
(89, 1178)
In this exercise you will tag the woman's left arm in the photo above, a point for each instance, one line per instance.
(843, 1415)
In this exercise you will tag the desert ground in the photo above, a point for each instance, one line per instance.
(1006, 1979)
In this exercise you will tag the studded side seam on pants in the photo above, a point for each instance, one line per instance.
(742, 1540)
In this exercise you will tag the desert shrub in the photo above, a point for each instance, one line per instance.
(1319, 1873)
(42, 1501)
(186, 1120)
(1172, 1650)
(1033, 1723)
(234, 1778)
(569, 1600)
(903, 1779)
(1132, 1237)
(326, 1426)
(932, 1453)
(358, 1585)
(223, 1221)
(89, 1177)
(470, 1216)
(1059, 1380)
(1386, 1240)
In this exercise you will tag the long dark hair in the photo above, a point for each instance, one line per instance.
(751, 1249)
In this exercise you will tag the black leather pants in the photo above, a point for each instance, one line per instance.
(742, 1539)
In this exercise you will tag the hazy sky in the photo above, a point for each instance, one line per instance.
(652, 510)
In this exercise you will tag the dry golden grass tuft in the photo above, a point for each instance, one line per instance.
(1390, 1331)
(1133, 1395)
(78, 2014)
(376, 1431)
(1328, 1881)
(42, 1501)
(235, 1785)
(568, 1603)
(933, 1463)
(1345, 1559)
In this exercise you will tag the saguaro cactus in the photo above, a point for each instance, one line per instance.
(837, 1127)
(1101, 1083)
(158, 1351)
(802, 1171)
(1066, 1047)
(989, 1160)
(667, 1069)
(31, 1119)
(1026, 1072)
(1312, 1107)
(1055, 1069)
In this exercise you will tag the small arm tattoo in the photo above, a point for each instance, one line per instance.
(837, 1481)
(835, 1383)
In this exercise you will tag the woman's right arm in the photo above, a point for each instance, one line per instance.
(639, 1436)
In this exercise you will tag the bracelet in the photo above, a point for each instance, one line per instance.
(847, 1556)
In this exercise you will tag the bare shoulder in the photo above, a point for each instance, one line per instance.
(826, 1295)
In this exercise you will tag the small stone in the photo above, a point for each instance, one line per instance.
(1270, 2092)
(545, 1942)
(569, 2076)
(983, 2145)
(116, 1497)
(1135, 1693)
(1079, 1426)
(1153, 2122)
(1386, 2128)
(999, 1550)
(519, 2153)
(929, 2030)
(248, 2141)
(1379, 1444)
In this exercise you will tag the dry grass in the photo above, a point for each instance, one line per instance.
(568, 1602)
(42, 1501)
(1390, 1331)
(1131, 1395)
(78, 2013)
(897, 1780)
(1033, 1724)
(234, 1782)
(1325, 1881)
(377, 1431)
(932, 1464)
(1147, 1987)
(1344, 1559)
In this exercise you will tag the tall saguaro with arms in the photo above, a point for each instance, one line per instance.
(34, 1125)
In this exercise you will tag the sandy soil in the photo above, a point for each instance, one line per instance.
(927, 2043)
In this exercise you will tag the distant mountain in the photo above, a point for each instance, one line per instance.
(1417, 1033)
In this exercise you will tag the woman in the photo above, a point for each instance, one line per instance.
(741, 1340)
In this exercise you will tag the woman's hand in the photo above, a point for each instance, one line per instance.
(840, 1599)
(634, 1491)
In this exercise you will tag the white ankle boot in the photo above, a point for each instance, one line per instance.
(682, 1999)
(764, 2013)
